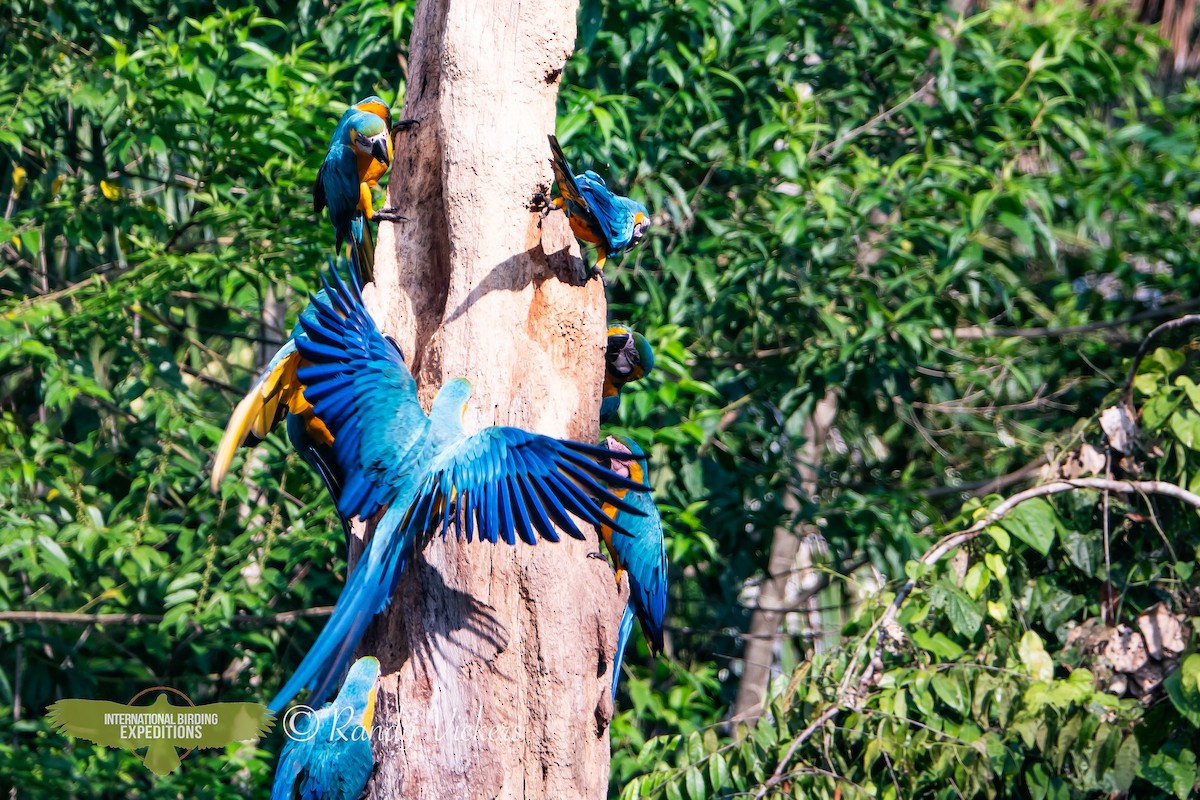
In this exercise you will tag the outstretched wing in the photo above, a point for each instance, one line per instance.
(360, 387)
(261, 409)
(236, 722)
(519, 483)
(84, 719)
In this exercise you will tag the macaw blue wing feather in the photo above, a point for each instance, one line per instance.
(642, 552)
(510, 481)
(278, 393)
(358, 382)
(337, 186)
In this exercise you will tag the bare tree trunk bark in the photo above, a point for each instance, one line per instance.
(496, 658)
(758, 656)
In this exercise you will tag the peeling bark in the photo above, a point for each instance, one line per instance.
(496, 658)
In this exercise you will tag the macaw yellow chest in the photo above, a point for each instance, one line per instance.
(370, 170)
(581, 229)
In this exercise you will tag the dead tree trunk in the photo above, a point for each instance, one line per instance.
(758, 657)
(496, 658)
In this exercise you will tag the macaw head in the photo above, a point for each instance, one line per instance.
(641, 222)
(358, 689)
(375, 105)
(451, 400)
(631, 467)
(369, 137)
(629, 356)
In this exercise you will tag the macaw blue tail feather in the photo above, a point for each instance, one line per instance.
(366, 593)
(362, 248)
(623, 633)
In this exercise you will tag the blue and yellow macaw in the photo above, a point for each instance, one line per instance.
(611, 222)
(360, 154)
(639, 551)
(628, 358)
(329, 757)
(278, 392)
(501, 482)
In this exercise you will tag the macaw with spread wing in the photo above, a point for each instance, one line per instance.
(637, 551)
(502, 482)
(329, 757)
(611, 222)
(628, 358)
(360, 154)
(278, 392)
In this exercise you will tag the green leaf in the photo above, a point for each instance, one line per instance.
(1172, 769)
(1034, 523)
(952, 690)
(939, 644)
(1126, 764)
(1183, 687)
(1036, 660)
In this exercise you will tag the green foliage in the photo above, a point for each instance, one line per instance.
(896, 205)
(157, 196)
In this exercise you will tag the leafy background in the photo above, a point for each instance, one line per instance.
(954, 229)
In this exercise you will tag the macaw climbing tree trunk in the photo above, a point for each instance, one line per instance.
(496, 657)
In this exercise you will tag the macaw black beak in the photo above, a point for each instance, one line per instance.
(640, 229)
(622, 356)
(379, 150)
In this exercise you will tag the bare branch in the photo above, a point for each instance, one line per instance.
(875, 121)
(979, 332)
(70, 618)
(1144, 348)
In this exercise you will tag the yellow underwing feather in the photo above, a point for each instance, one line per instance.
(262, 408)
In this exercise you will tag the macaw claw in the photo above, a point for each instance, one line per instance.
(596, 554)
(597, 271)
(405, 124)
(389, 215)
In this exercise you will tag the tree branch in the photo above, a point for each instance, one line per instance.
(1144, 348)
(70, 618)
(979, 332)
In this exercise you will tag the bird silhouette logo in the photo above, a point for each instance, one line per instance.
(161, 727)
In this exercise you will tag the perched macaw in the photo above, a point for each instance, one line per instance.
(329, 757)
(639, 552)
(628, 358)
(360, 153)
(611, 222)
(278, 392)
(501, 482)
